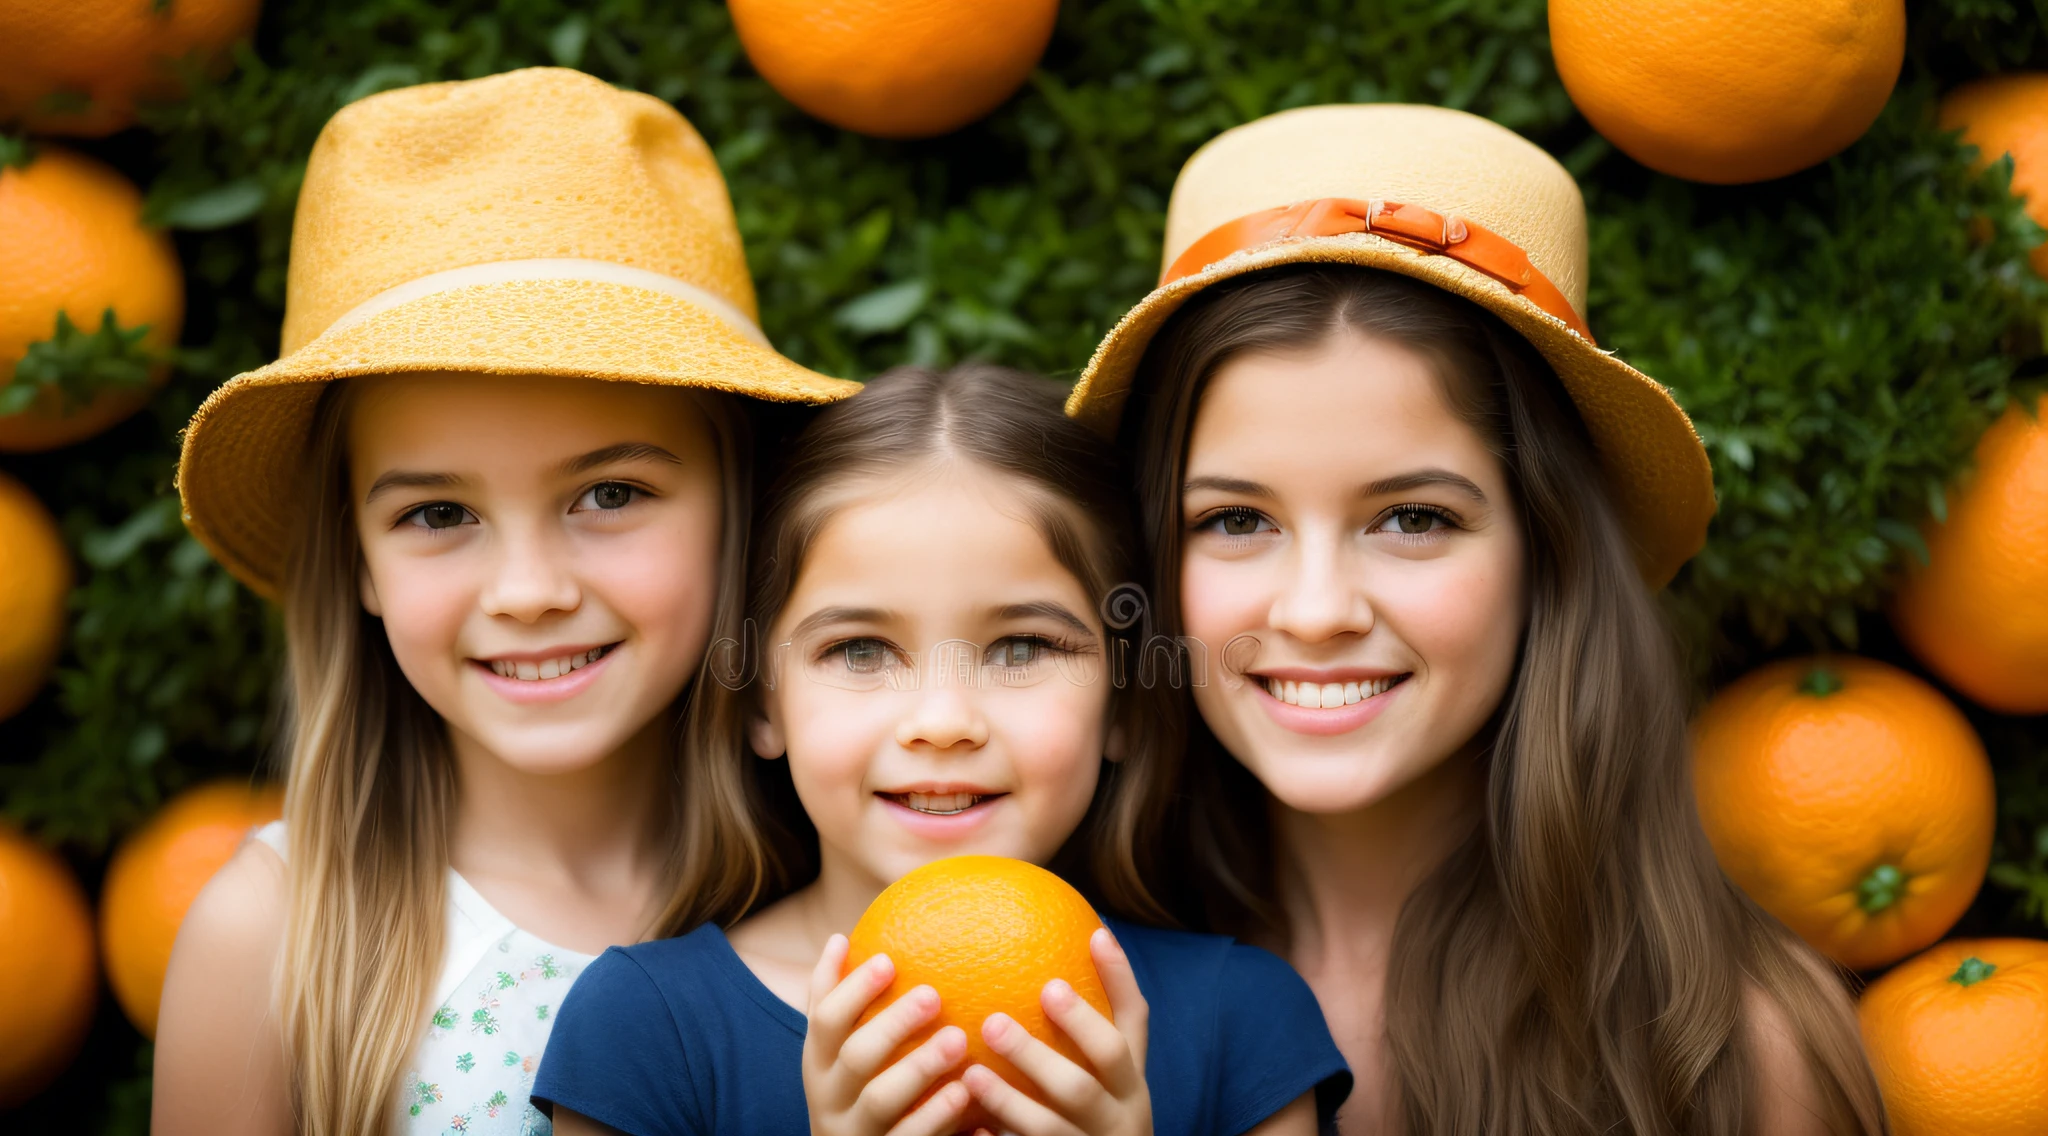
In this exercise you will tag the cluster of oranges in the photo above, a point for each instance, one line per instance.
(48, 967)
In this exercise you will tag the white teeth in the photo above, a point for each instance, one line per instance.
(547, 668)
(941, 804)
(1321, 696)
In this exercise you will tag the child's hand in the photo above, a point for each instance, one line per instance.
(848, 1084)
(1113, 1100)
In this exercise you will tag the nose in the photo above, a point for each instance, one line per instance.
(942, 716)
(1323, 593)
(531, 576)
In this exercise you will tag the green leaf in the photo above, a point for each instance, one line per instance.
(16, 151)
(885, 309)
(229, 204)
(79, 366)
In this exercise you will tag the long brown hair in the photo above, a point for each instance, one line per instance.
(370, 797)
(746, 837)
(1578, 964)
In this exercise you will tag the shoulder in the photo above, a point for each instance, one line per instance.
(240, 913)
(1234, 971)
(1788, 1097)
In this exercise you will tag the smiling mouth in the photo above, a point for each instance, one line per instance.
(1326, 695)
(940, 804)
(547, 668)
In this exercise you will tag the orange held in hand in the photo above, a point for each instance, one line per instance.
(155, 876)
(35, 576)
(895, 68)
(77, 66)
(1977, 614)
(1729, 91)
(47, 979)
(1959, 1039)
(1849, 799)
(72, 244)
(987, 933)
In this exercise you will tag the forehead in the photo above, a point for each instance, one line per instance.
(440, 418)
(1353, 404)
(945, 545)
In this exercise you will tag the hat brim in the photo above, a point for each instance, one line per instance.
(244, 450)
(1656, 469)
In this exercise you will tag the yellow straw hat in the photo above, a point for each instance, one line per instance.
(1448, 198)
(538, 222)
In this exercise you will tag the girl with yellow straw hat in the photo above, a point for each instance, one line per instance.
(1417, 517)
(498, 484)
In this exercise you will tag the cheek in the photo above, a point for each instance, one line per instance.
(424, 603)
(1464, 621)
(1220, 599)
(1053, 735)
(663, 580)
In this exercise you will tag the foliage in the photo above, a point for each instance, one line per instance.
(1840, 336)
(79, 365)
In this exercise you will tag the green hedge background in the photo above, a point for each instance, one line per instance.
(1840, 336)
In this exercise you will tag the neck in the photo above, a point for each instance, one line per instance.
(836, 900)
(578, 825)
(1344, 876)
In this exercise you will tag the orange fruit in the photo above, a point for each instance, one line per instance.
(157, 873)
(35, 576)
(77, 67)
(987, 933)
(1729, 91)
(2008, 114)
(1849, 799)
(1977, 613)
(1958, 1039)
(72, 241)
(47, 980)
(895, 68)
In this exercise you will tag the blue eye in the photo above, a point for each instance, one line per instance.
(607, 496)
(438, 515)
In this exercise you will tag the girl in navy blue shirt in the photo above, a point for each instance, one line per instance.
(947, 666)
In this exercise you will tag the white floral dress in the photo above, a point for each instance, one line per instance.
(494, 1005)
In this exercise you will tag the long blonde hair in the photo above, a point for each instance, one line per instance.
(1578, 964)
(370, 797)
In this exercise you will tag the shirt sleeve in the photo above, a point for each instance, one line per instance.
(615, 1054)
(1274, 1045)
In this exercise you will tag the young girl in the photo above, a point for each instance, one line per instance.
(1386, 472)
(498, 578)
(930, 570)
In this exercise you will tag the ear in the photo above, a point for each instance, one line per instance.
(368, 588)
(1115, 747)
(765, 737)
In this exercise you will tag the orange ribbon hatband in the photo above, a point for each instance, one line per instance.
(1424, 230)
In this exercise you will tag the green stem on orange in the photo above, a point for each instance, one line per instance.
(1880, 889)
(1973, 971)
(1821, 681)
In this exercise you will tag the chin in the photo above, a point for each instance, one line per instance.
(542, 751)
(1325, 783)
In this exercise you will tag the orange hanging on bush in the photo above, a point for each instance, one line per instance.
(155, 876)
(1959, 1039)
(2008, 114)
(35, 577)
(1029, 927)
(73, 248)
(895, 68)
(47, 979)
(1729, 91)
(1977, 613)
(78, 66)
(1849, 799)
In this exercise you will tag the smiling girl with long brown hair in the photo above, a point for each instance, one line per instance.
(1418, 516)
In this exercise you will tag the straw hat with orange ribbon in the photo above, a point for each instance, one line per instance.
(1448, 198)
(538, 222)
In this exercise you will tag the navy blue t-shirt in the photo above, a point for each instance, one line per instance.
(678, 1036)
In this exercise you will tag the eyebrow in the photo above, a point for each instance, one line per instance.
(827, 616)
(582, 463)
(1045, 609)
(623, 452)
(1399, 483)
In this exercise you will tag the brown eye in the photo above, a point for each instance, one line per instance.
(1415, 522)
(441, 515)
(1238, 522)
(607, 495)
